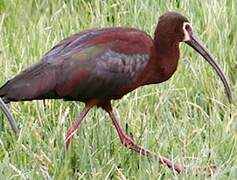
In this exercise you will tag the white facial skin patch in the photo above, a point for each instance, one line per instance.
(186, 27)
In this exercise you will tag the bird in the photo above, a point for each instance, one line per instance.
(99, 65)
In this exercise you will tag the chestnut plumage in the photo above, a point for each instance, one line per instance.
(98, 65)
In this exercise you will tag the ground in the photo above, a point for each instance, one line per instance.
(187, 118)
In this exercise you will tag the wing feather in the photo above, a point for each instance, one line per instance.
(89, 64)
(101, 76)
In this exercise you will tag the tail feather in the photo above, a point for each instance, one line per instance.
(3, 93)
(5, 100)
(35, 82)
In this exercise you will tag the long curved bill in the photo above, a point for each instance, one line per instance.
(197, 45)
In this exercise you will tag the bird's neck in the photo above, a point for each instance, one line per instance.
(164, 61)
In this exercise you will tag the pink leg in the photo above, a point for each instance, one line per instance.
(72, 130)
(128, 142)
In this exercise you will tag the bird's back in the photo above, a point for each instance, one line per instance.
(97, 63)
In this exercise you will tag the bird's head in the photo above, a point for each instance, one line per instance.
(174, 28)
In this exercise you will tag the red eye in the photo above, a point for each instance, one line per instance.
(188, 28)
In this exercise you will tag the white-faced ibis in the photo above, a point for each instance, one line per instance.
(100, 65)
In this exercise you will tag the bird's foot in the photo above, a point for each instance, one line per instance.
(129, 143)
(172, 165)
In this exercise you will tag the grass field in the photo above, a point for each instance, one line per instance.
(187, 118)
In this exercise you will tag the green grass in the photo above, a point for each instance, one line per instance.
(178, 118)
